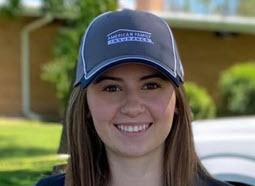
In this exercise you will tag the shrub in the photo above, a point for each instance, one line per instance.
(202, 105)
(237, 90)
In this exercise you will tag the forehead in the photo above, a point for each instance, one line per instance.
(131, 69)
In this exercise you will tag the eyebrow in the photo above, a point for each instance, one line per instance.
(156, 75)
(102, 78)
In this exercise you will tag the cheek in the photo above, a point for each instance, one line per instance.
(100, 110)
(163, 107)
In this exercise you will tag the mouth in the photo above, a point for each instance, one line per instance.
(134, 128)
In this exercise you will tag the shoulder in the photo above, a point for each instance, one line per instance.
(210, 181)
(56, 180)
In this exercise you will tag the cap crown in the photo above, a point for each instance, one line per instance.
(114, 37)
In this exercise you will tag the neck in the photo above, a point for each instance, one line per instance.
(140, 171)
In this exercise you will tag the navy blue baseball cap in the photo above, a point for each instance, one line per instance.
(127, 36)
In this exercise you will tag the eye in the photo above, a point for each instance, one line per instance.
(151, 86)
(112, 88)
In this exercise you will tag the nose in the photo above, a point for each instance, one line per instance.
(132, 106)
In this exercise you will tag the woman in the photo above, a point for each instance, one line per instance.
(128, 120)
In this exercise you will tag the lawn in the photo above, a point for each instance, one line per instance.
(27, 150)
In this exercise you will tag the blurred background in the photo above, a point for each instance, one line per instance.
(39, 42)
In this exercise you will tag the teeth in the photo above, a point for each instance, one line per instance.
(135, 128)
(140, 127)
(143, 127)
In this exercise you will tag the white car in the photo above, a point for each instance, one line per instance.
(227, 148)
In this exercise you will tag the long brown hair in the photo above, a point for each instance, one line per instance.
(88, 164)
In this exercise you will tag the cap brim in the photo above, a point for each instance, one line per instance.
(85, 80)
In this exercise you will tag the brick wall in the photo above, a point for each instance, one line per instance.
(43, 99)
(206, 55)
(10, 96)
(42, 93)
(150, 5)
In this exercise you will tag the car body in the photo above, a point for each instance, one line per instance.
(226, 147)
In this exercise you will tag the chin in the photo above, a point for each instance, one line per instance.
(134, 151)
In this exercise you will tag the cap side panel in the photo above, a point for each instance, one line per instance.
(173, 45)
(84, 39)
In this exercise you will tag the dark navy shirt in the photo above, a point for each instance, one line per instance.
(55, 180)
(58, 180)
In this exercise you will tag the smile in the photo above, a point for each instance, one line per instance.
(133, 128)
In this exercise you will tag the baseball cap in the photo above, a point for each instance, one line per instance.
(127, 36)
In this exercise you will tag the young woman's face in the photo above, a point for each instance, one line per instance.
(132, 107)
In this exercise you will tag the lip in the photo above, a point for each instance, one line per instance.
(133, 128)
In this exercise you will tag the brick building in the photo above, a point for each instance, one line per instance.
(42, 94)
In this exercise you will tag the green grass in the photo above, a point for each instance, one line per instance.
(27, 150)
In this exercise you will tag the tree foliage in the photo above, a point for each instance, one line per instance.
(53, 6)
(237, 90)
(201, 103)
(60, 71)
(11, 8)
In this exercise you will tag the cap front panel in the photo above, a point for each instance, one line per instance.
(123, 35)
